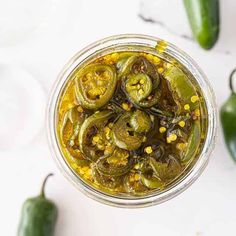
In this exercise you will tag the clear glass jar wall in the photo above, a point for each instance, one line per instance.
(164, 50)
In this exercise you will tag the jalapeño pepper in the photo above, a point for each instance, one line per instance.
(123, 134)
(228, 119)
(140, 81)
(138, 87)
(140, 121)
(203, 16)
(138, 65)
(179, 84)
(95, 85)
(104, 180)
(119, 163)
(38, 216)
(91, 126)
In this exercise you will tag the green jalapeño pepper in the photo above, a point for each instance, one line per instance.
(140, 121)
(151, 100)
(123, 134)
(165, 171)
(152, 182)
(119, 163)
(140, 81)
(39, 215)
(204, 18)
(133, 185)
(69, 131)
(106, 181)
(70, 127)
(155, 174)
(95, 85)
(149, 177)
(194, 141)
(138, 87)
(92, 126)
(228, 120)
(180, 85)
(136, 65)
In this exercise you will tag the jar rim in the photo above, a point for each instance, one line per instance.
(196, 170)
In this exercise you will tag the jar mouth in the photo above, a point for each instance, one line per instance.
(129, 40)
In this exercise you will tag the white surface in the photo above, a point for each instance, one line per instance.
(22, 102)
(55, 32)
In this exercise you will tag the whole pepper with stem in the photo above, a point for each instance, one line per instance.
(228, 119)
(38, 216)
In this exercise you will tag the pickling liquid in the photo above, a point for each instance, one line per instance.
(131, 123)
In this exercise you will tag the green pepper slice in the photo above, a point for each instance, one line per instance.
(90, 127)
(149, 178)
(95, 85)
(139, 65)
(134, 70)
(165, 171)
(110, 182)
(151, 100)
(152, 182)
(117, 164)
(69, 130)
(156, 174)
(179, 84)
(133, 186)
(71, 116)
(193, 143)
(138, 87)
(124, 136)
(140, 121)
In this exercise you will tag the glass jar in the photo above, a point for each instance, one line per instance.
(128, 42)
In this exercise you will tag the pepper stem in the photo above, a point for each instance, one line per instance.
(42, 193)
(231, 80)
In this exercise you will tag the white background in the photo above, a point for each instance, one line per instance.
(37, 37)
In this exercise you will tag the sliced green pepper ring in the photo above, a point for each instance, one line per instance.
(155, 174)
(119, 163)
(95, 85)
(193, 143)
(70, 127)
(71, 116)
(138, 87)
(139, 65)
(165, 171)
(124, 136)
(132, 186)
(152, 182)
(77, 158)
(122, 60)
(90, 127)
(140, 121)
(105, 181)
(179, 84)
(151, 100)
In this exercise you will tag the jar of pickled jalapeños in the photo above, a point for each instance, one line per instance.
(131, 121)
